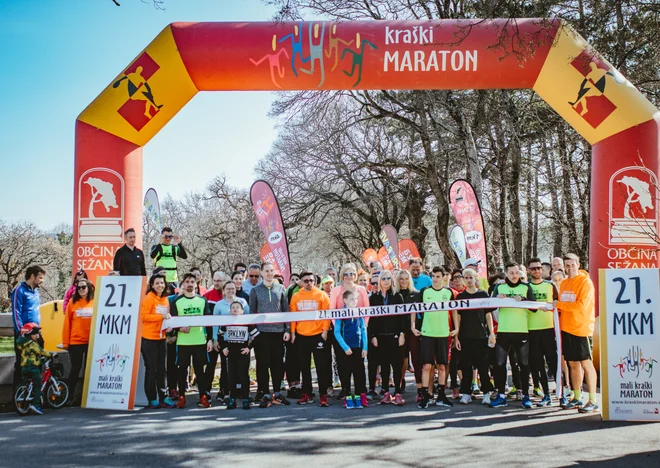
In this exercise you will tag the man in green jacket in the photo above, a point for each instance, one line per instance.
(165, 254)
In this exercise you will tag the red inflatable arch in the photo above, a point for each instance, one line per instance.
(185, 58)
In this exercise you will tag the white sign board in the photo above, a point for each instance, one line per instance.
(630, 344)
(113, 357)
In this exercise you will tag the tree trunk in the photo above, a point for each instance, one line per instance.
(558, 236)
(567, 192)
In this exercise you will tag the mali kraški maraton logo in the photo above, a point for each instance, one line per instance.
(634, 362)
(113, 360)
(141, 105)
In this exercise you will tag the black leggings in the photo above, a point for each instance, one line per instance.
(77, 355)
(390, 355)
(414, 345)
(454, 364)
(353, 365)
(474, 354)
(239, 367)
(171, 371)
(506, 342)
(153, 354)
(199, 359)
(292, 364)
(269, 353)
(542, 349)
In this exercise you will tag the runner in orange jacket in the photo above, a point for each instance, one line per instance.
(577, 316)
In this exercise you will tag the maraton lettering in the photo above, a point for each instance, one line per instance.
(430, 60)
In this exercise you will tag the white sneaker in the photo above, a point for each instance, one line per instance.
(519, 395)
(486, 399)
(466, 399)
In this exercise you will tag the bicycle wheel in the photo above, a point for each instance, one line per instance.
(57, 395)
(21, 401)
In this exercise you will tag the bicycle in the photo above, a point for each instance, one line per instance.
(56, 391)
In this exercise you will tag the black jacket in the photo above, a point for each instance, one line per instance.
(387, 324)
(129, 262)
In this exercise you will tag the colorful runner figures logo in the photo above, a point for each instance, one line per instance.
(140, 105)
(591, 102)
(100, 206)
(635, 362)
(113, 359)
(316, 34)
(633, 207)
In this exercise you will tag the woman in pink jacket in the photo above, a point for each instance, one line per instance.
(72, 289)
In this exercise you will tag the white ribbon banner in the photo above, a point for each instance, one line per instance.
(365, 312)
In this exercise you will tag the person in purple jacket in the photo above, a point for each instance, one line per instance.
(25, 302)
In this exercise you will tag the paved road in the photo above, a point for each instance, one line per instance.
(311, 436)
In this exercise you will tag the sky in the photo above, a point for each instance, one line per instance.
(57, 56)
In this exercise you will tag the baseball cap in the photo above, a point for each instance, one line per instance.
(471, 262)
(327, 279)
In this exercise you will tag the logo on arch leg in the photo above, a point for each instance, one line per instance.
(634, 197)
(100, 206)
(591, 101)
(141, 103)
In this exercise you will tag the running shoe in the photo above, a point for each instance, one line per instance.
(335, 382)
(419, 397)
(341, 395)
(465, 399)
(455, 394)
(323, 401)
(486, 399)
(519, 395)
(246, 403)
(305, 400)
(398, 400)
(443, 401)
(154, 404)
(174, 394)
(589, 408)
(364, 401)
(424, 403)
(330, 391)
(563, 401)
(181, 403)
(294, 392)
(512, 392)
(357, 402)
(499, 401)
(204, 402)
(387, 399)
(232, 403)
(545, 401)
(573, 404)
(168, 403)
(220, 397)
(349, 403)
(280, 400)
(538, 392)
(225, 402)
(258, 397)
(265, 402)
(475, 389)
(36, 409)
(527, 403)
(371, 394)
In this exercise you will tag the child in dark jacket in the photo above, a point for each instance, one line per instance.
(351, 335)
(31, 354)
(238, 343)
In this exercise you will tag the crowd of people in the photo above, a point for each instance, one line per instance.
(455, 356)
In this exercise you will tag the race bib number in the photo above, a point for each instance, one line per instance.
(236, 334)
(567, 297)
(162, 310)
(86, 313)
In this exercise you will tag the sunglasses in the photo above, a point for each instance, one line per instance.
(454, 278)
(169, 237)
(254, 276)
(80, 288)
(241, 271)
(534, 268)
(308, 281)
(374, 284)
(349, 273)
(386, 278)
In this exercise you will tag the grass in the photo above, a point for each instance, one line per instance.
(6, 345)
